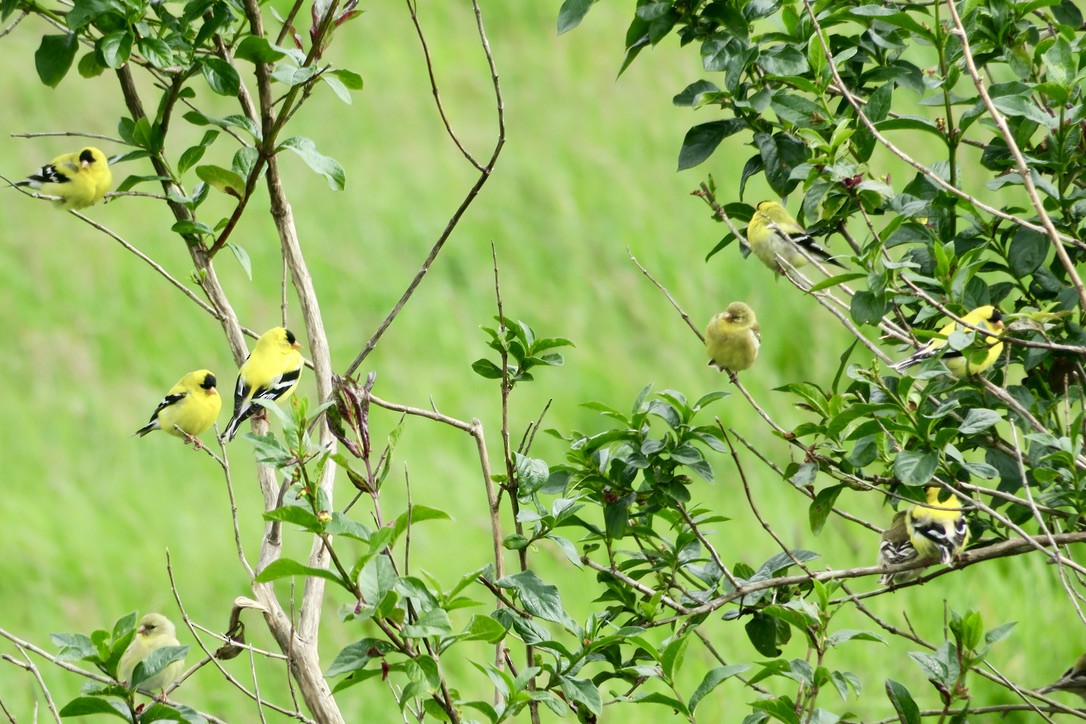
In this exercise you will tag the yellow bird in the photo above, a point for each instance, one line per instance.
(155, 631)
(79, 179)
(774, 235)
(895, 548)
(1073, 680)
(938, 529)
(270, 372)
(188, 409)
(732, 339)
(988, 318)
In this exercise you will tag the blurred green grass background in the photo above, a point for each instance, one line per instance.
(95, 338)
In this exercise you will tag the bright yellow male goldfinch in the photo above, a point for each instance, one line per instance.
(78, 179)
(986, 317)
(269, 373)
(938, 529)
(188, 409)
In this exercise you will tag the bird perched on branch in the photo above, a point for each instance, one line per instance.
(895, 548)
(937, 529)
(1073, 680)
(188, 409)
(732, 339)
(960, 362)
(775, 236)
(155, 631)
(269, 373)
(78, 179)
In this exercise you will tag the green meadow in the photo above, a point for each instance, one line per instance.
(94, 338)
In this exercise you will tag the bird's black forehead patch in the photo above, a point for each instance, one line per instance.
(209, 381)
(290, 337)
(86, 156)
(997, 316)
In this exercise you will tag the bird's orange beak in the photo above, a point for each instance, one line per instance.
(296, 345)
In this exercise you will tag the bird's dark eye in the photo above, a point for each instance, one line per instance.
(86, 156)
(290, 337)
(209, 381)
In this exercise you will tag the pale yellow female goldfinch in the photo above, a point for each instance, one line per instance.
(988, 318)
(269, 373)
(79, 179)
(154, 632)
(732, 338)
(188, 409)
(937, 529)
(894, 548)
(775, 236)
(1073, 680)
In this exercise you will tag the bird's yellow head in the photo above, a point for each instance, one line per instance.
(155, 624)
(772, 211)
(205, 380)
(739, 313)
(90, 156)
(280, 339)
(933, 492)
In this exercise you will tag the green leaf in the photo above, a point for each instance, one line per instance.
(54, 57)
(355, 656)
(821, 507)
(156, 51)
(978, 419)
(702, 140)
(484, 628)
(258, 50)
(867, 307)
(74, 646)
(571, 13)
(243, 258)
(915, 467)
(222, 180)
(295, 514)
(348, 78)
(713, 679)
(671, 660)
(538, 598)
(155, 662)
(486, 368)
(116, 48)
(89, 66)
(87, 705)
(906, 708)
(285, 568)
(583, 692)
(324, 165)
(221, 76)
(1028, 251)
(434, 622)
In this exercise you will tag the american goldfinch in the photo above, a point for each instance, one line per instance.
(269, 373)
(987, 317)
(155, 631)
(1073, 680)
(188, 409)
(79, 179)
(894, 548)
(937, 529)
(732, 338)
(774, 236)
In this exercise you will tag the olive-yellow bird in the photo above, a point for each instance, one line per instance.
(155, 631)
(732, 338)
